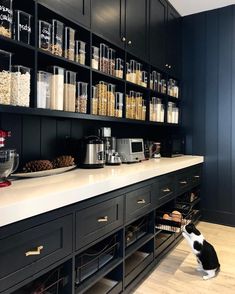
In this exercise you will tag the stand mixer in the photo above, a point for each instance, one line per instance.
(9, 160)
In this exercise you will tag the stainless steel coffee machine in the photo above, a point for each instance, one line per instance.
(111, 155)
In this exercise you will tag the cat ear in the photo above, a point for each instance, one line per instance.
(197, 246)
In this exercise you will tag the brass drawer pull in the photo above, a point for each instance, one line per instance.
(141, 201)
(183, 182)
(103, 219)
(166, 190)
(196, 177)
(34, 252)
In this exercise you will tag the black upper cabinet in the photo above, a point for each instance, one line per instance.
(157, 32)
(78, 11)
(174, 43)
(108, 19)
(136, 28)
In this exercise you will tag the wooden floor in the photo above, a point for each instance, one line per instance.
(177, 274)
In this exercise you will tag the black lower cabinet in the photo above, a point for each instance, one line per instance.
(123, 236)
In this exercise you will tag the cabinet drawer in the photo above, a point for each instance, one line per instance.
(139, 202)
(196, 176)
(183, 182)
(98, 220)
(166, 190)
(26, 253)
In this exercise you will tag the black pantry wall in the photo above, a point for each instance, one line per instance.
(209, 105)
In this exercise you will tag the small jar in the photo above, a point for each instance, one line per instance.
(43, 89)
(69, 91)
(80, 52)
(102, 93)
(6, 16)
(81, 99)
(69, 48)
(111, 58)
(57, 87)
(119, 68)
(44, 35)
(22, 26)
(104, 61)
(95, 57)
(94, 101)
(20, 85)
(111, 100)
(118, 104)
(5, 77)
(57, 37)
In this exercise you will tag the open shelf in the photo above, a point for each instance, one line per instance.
(13, 45)
(114, 78)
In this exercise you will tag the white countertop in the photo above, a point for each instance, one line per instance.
(30, 197)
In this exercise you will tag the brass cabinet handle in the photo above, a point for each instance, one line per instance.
(34, 252)
(183, 182)
(166, 190)
(102, 219)
(141, 201)
(196, 177)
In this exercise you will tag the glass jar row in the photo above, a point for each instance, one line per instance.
(135, 106)
(156, 110)
(135, 73)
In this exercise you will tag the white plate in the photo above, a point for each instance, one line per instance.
(44, 173)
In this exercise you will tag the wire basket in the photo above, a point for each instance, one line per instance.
(136, 230)
(172, 222)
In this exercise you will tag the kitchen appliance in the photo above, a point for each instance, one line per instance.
(131, 150)
(92, 153)
(173, 147)
(112, 157)
(9, 160)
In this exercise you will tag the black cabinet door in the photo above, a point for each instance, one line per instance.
(136, 27)
(78, 11)
(174, 42)
(107, 19)
(157, 32)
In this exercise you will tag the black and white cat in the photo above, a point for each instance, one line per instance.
(205, 253)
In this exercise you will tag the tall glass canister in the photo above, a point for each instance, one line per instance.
(104, 61)
(57, 87)
(43, 89)
(118, 104)
(5, 77)
(81, 98)
(111, 57)
(69, 91)
(102, 94)
(111, 100)
(6, 18)
(80, 52)
(57, 37)
(69, 47)
(44, 35)
(119, 68)
(22, 26)
(94, 100)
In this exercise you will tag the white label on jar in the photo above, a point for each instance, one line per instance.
(25, 28)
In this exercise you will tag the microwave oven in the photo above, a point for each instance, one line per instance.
(173, 147)
(130, 150)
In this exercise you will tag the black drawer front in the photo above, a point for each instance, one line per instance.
(139, 202)
(98, 220)
(166, 190)
(196, 176)
(183, 182)
(25, 254)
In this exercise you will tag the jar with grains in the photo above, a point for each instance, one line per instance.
(80, 52)
(69, 47)
(69, 91)
(57, 87)
(94, 101)
(111, 58)
(118, 104)
(151, 81)
(5, 77)
(20, 85)
(138, 105)
(44, 35)
(128, 106)
(104, 61)
(175, 115)
(119, 68)
(22, 26)
(132, 97)
(81, 98)
(111, 100)
(6, 16)
(144, 109)
(95, 57)
(133, 71)
(170, 107)
(43, 89)
(138, 73)
(158, 82)
(163, 86)
(102, 94)
(144, 79)
(57, 37)
(170, 87)
(128, 72)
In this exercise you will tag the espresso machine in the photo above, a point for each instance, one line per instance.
(9, 160)
(112, 157)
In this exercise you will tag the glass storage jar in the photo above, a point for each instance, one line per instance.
(138, 105)
(80, 52)
(163, 86)
(144, 109)
(175, 90)
(119, 68)
(128, 72)
(151, 81)
(43, 89)
(132, 97)
(94, 101)
(162, 113)
(118, 104)
(44, 35)
(170, 107)
(102, 93)
(69, 91)
(170, 87)
(144, 79)
(69, 44)
(133, 71)
(6, 15)
(81, 98)
(111, 57)
(138, 73)
(155, 109)
(95, 57)
(57, 37)
(20, 85)
(22, 26)
(5, 77)
(104, 61)
(111, 100)
(175, 115)
(57, 87)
